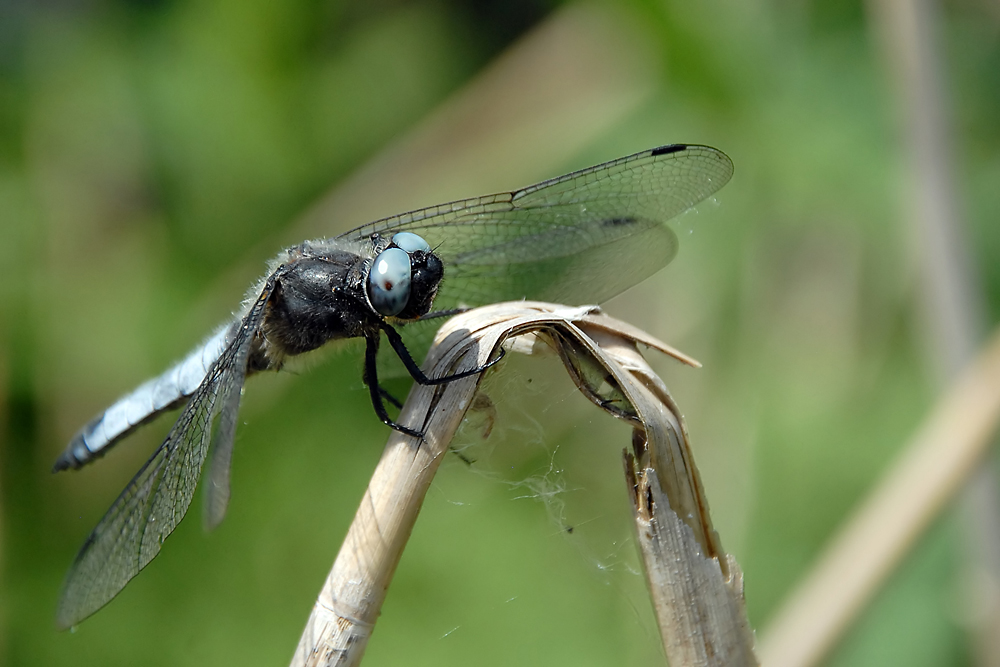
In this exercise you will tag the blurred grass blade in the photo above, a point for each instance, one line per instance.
(932, 467)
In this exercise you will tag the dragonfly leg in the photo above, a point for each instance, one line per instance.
(443, 313)
(370, 378)
(462, 457)
(411, 366)
(389, 397)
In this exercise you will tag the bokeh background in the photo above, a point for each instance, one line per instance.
(155, 153)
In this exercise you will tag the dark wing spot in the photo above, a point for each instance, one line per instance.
(619, 222)
(665, 150)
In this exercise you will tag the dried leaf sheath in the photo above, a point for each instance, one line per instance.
(344, 614)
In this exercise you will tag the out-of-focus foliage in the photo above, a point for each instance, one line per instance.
(151, 150)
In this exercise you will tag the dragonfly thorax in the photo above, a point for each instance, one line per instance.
(316, 300)
(322, 298)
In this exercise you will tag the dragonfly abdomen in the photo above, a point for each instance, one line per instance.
(162, 393)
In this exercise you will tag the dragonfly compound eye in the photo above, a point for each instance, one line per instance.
(409, 242)
(389, 281)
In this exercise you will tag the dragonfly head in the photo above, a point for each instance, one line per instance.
(426, 272)
(404, 278)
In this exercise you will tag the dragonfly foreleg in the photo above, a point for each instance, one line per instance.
(414, 370)
(370, 378)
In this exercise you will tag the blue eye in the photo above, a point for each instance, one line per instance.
(389, 281)
(409, 242)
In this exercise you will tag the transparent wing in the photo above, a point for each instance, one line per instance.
(579, 238)
(155, 501)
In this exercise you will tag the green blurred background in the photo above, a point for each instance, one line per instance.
(155, 153)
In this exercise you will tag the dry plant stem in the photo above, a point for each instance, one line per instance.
(933, 466)
(696, 588)
(709, 618)
(344, 615)
(699, 606)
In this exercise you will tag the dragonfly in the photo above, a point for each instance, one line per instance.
(579, 238)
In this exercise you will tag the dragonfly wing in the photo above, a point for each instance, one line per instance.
(580, 238)
(220, 462)
(603, 257)
(157, 498)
